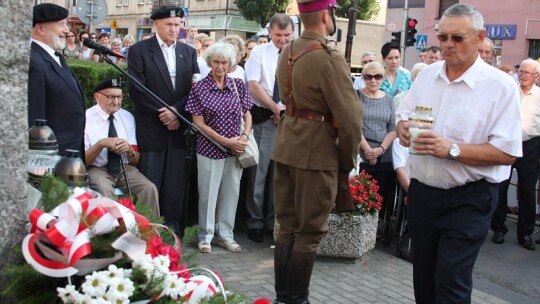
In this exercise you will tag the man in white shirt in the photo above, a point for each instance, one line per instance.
(109, 138)
(433, 54)
(262, 85)
(526, 166)
(486, 50)
(454, 178)
(366, 58)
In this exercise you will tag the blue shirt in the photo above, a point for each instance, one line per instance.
(402, 83)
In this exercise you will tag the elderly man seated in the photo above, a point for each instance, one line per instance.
(111, 146)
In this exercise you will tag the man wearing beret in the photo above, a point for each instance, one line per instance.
(109, 138)
(53, 92)
(166, 67)
(310, 152)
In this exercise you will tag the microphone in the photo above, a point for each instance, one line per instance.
(100, 48)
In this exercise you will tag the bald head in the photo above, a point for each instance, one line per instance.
(486, 50)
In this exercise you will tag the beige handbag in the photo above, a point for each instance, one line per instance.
(250, 157)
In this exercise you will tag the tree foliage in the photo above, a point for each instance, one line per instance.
(368, 9)
(260, 11)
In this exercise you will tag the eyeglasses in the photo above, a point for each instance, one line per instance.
(527, 73)
(454, 38)
(368, 77)
(112, 97)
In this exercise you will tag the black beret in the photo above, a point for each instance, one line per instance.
(47, 12)
(115, 83)
(167, 11)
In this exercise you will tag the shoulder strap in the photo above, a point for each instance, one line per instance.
(292, 60)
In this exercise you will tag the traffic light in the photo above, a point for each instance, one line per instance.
(397, 37)
(411, 31)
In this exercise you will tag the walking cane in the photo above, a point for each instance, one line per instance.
(125, 173)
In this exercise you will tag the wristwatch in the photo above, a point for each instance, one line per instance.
(454, 151)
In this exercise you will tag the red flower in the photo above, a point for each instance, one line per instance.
(365, 193)
(262, 301)
(126, 202)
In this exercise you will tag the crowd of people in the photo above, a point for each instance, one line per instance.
(310, 122)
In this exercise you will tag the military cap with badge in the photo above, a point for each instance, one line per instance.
(167, 11)
(109, 83)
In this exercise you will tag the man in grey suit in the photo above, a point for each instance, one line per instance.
(53, 92)
(166, 67)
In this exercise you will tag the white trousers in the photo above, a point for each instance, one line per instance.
(219, 187)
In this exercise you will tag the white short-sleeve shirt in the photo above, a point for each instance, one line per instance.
(481, 106)
(261, 66)
(97, 127)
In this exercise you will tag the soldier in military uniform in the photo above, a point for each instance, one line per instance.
(310, 152)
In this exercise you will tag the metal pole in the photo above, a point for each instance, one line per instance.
(404, 32)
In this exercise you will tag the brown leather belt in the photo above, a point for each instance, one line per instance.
(308, 114)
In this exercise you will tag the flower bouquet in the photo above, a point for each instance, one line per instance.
(352, 235)
(91, 249)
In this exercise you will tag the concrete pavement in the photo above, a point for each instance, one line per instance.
(503, 274)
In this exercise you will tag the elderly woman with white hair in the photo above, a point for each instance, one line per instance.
(378, 129)
(218, 103)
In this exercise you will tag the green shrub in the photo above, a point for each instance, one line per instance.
(90, 73)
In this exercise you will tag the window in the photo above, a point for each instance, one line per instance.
(534, 49)
(149, 1)
(445, 4)
(119, 2)
(141, 2)
(125, 2)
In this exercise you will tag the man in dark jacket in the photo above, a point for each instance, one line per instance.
(166, 67)
(53, 92)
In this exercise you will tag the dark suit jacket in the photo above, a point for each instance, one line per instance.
(53, 96)
(147, 64)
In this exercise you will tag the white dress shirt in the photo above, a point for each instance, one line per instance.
(261, 66)
(530, 113)
(481, 106)
(97, 127)
(169, 52)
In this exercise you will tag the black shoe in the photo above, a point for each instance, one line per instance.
(256, 235)
(527, 242)
(498, 237)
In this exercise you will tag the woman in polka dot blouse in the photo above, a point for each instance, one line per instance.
(217, 103)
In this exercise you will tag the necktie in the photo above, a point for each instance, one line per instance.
(113, 162)
(275, 92)
(65, 68)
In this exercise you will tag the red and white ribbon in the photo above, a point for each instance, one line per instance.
(64, 230)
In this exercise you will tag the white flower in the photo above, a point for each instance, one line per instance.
(86, 299)
(174, 287)
(95, 284)
(120, 290)
(67, 294)
(115, 274)
(162, 263)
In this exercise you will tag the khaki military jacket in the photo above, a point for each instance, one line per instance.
(321, 82)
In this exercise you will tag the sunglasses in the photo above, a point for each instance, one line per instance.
(368, 77)
(454, 38)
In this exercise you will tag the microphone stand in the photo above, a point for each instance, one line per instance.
(190, 133)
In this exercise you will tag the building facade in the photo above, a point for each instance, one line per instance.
(514, 28)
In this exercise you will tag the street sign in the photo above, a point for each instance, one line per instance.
(421, 42)
(91, 11)
(391, 27)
